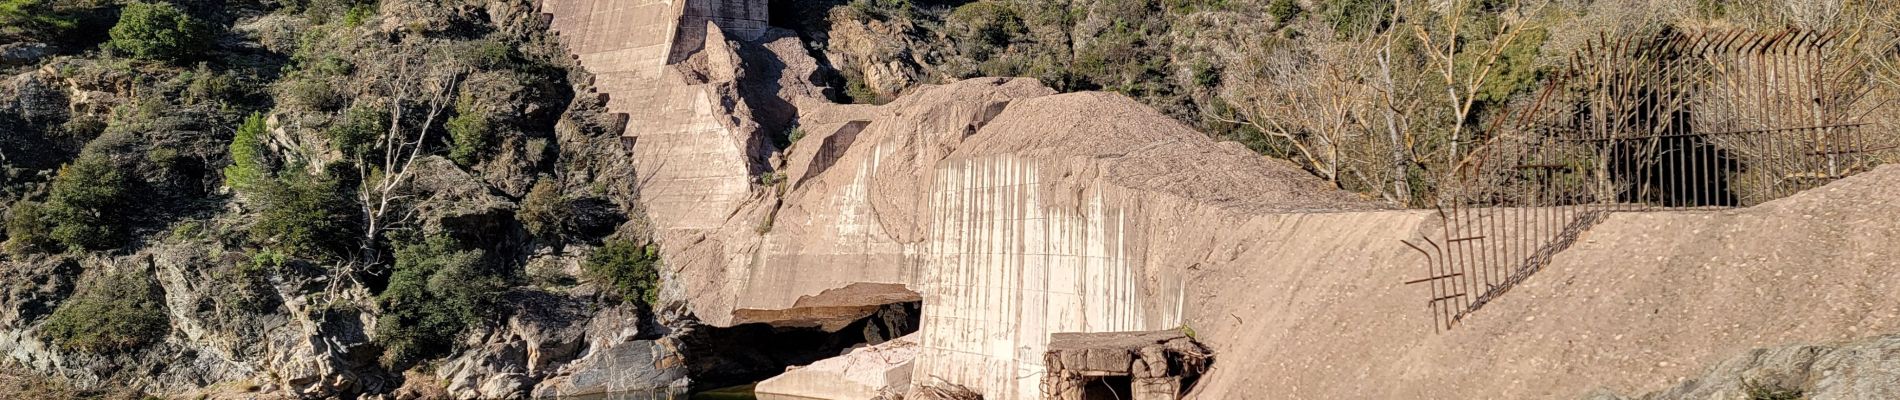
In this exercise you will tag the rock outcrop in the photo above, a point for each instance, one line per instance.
(1864, 369)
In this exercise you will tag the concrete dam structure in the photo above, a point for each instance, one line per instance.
(1015, 213)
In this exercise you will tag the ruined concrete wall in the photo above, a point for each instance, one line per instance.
(1017, 213)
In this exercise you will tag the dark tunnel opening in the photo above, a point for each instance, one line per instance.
(743, 354)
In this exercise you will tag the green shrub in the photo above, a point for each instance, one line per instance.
(114, 313)
(858, 91)
(33, 18)
(545, 212)
(249, 160)
(471, 133)
(981, 28)
(1284, 11)
(329, 66)
(356, 134)
(1756, 390)
(312, 94)
(629, 270)
(88, 203)
(437, 291)
(486, 54)
(207, 86)
(358, 14)
(158, 31)
(352, 12)
(883, 9)
(304, 215)
(28, 229)
(796, 134)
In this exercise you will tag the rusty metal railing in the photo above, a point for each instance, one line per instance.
(1664, 121)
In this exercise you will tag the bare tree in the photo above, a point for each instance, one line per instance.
(417, 91)
(1309, 99)
(1443, 46)
(1338, 101)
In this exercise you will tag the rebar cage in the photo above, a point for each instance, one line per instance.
(1671, 120)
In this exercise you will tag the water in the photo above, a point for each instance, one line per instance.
(742, 392)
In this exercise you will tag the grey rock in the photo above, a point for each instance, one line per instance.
(24, 53)
(1864, 369)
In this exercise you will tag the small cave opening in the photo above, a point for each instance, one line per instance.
(748, 353)
(1120, 387)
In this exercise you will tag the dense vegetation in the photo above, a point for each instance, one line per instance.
(628, 269)
(117, 312)
(399, 160)
(438, 291)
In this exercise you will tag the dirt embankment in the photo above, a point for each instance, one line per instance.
(1641, 302)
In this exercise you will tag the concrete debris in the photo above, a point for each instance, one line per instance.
(1155, 365)
(881, 371)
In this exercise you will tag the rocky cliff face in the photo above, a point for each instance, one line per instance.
(234, 318)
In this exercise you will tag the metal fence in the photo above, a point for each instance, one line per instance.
(1664, 121)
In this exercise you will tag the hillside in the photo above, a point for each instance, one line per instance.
(504, 199)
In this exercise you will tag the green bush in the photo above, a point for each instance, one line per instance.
(981, 28)
(352, 12)
(1758, 391)
(114, 313)
(358, 14)
(1284, 11)
(249, 160)
(628, 269)
(356, 134)
(33, 18)
(471, 133)
(437, 291)
(158, 31)
(858, 91)
(208, 86)
(28, 230)
(88, 203)
(486, 54)
(304, 215)
(883, 9)
(545, 212)
(312, 94)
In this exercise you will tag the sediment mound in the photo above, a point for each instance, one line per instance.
(1641, 301)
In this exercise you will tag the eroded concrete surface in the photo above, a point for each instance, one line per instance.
(1014, 213)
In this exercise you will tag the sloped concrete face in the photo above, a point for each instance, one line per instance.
(691, 144)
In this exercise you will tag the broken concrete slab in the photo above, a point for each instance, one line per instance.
(1149, 365)
(878, 371)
